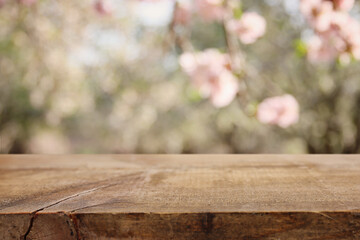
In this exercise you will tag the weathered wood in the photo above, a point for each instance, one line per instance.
(180, 197)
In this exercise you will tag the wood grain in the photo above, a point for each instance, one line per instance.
(179, 197)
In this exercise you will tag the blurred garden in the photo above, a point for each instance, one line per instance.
(179, 76)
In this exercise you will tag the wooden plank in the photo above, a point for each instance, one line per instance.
(180, 197)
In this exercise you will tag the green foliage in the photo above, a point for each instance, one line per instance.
(193, 95)
(300, 48)
(237, 12)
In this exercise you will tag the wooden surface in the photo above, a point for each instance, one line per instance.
(179, 197)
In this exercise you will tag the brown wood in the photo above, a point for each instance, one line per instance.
(180, 197)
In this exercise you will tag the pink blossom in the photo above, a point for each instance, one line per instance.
(337, 33)
(224, 89)
(354, 45)
(210, 10)
(182, 14)
(343, 5)
(318, 13)
(307, 7)
(281, 110)
(103, 7)
(249, 28)
(320, 50)
(340, 40)
(349, 32)
(210, 74)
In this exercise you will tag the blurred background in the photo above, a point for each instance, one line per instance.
(79, 78)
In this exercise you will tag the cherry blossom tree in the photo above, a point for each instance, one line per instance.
(213, 73)
(196, 75)
(337, 34)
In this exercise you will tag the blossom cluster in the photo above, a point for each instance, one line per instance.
(211, 74)
(337, 34)
(210, 70)
(281, 110)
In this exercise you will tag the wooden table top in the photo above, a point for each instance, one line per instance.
(180, 196)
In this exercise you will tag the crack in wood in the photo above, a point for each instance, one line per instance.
(30, 226)
(74, 220)
(98, 205)
(67, 198)
(71, 216)
(75, 195)
(33, 214)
